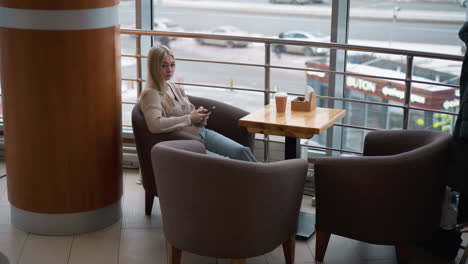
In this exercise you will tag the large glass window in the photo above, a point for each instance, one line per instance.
(428, 26)
(305, 20)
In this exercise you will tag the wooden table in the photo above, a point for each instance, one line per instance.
(293, 125)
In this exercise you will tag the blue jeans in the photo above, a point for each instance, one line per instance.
(221, 146)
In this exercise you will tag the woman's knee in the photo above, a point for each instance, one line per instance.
(246, 154)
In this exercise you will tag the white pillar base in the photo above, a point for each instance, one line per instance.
(65, 224)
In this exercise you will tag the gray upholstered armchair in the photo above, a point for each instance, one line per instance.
(223, 120)
(226, 208)
(391, 196)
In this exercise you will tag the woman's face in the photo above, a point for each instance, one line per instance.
(168, 67)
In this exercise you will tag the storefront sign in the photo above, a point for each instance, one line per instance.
(360, 84)
(438, 99)
(451, 103)
(393, 92)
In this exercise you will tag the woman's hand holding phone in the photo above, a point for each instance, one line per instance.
(209, 110)
(200, 116)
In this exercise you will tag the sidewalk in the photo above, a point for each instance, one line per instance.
(449, 17)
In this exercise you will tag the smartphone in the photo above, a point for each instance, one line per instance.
(209, 110)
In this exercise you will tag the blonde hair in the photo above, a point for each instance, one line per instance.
(155, 79)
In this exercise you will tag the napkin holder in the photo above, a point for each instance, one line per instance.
(300, 104)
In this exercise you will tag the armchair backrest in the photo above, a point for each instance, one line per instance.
(144, 141)
(420, 158)
(393, 193)
(222, 207)
(391, 142)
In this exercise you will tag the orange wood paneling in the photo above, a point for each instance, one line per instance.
(57, 4)
(62, 112)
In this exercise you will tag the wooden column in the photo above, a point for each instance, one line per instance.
(60, 79)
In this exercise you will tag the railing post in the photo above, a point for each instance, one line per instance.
(139, 72)
(408, 81)
(267, 72)
(336, 83)
(266, 142)
(144, 14)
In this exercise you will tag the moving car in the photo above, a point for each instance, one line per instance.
(290, 1)
(303, 36)
(166, 24)
(297, 2)
(225, 30)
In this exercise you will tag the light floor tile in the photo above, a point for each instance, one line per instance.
(303, 254)
(46, 250)
(139, 239)
(130, 179)
(142, 246)
(12, 241)
(189, 258)
(340, 250)
(381, 261)
(98, 247)
(111, 232)
(133, 206)
(375, 252)
(135, 217)
(254, 260)
(87, 250)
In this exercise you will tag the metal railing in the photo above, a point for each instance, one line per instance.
(408, 80)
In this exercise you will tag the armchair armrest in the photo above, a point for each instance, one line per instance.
(224, 120)
(177, 135)
(188, 145)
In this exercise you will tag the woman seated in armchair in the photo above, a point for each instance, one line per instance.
(166, 108)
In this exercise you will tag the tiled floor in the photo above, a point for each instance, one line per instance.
(138, 239)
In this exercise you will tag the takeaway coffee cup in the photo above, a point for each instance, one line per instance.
(281, 99)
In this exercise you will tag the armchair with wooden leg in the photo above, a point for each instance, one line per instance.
(226, 208)
(223, 120)
(392, 195)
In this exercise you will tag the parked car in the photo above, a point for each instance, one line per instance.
(463, 3)
(166, 24)
(225, 30)
(303, 36)
(296, 2)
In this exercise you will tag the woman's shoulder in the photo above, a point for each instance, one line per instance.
(148, 95)
(149, 92)
(175, 87)
(172, 84)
